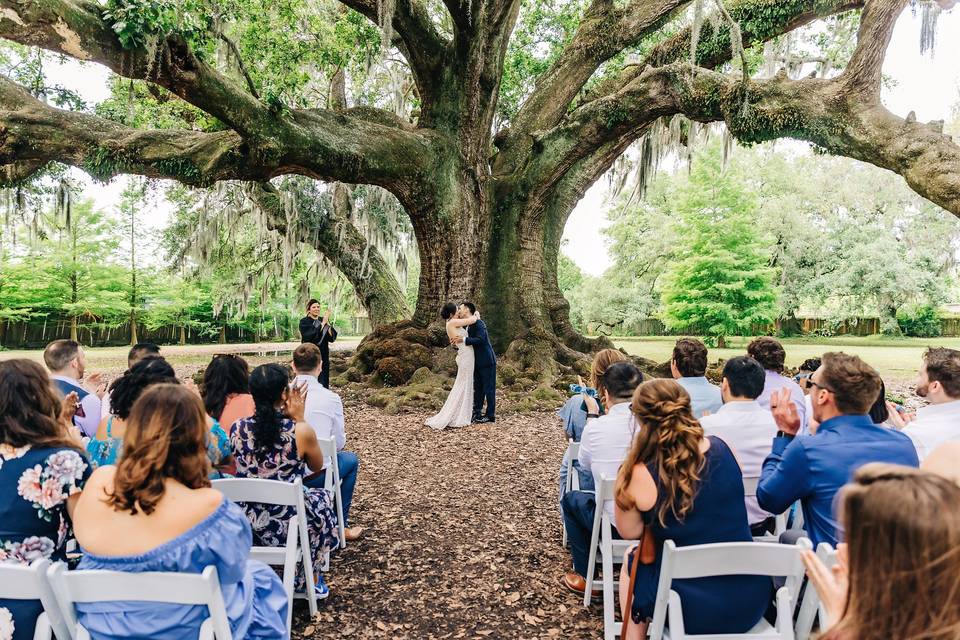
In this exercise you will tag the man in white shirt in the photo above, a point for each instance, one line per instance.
(939, 382)
(324, 412)
(604, 444)
(67, 364)
(746, 427)
(689, 368)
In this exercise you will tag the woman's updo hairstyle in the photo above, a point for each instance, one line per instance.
(448, 310)
(125, 390)
(268, 382)
(668, 441)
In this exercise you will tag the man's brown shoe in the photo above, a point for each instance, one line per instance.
(353, 533)
(574, 581)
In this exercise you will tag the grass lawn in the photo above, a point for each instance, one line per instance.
(896, 358)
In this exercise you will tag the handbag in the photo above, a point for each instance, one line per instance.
(646, 553)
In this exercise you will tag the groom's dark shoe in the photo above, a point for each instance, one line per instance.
(476, 419)
(484, 420)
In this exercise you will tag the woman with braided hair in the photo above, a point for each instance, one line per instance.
(688, 488)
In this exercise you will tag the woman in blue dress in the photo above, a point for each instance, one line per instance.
(42, 472)
(106, 446)
(277, 444)
(155, 511)
(681, 486)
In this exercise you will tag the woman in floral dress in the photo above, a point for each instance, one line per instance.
(42, 472)
(277, 444)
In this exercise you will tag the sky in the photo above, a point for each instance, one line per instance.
(927, 84)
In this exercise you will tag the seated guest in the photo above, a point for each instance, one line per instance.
(943, 461)
(899, 569)
(771, 356)
(42, 472)
(604, 444)
(689, 366)
(746, 427)
(681, 485)
(276, 443)
(812, 469)
(574, 413)
(324, 412)
(155, 511)
(226, 390)
(137, 353)
(67, 364)
(939, 382)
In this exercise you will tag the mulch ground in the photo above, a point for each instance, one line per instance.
(463, 535)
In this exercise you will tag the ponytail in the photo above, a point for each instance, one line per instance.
(669, 440)
(267, 385)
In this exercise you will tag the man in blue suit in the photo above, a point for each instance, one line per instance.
(485, 368)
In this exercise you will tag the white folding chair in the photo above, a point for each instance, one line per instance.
(332, 482)
(811, 607)
(726, 559)
(297, 549)
(23, 582)
(79, 587)
(573, 477)
(750, 491)
(611, 553)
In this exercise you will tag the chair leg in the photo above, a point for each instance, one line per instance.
(609, 604)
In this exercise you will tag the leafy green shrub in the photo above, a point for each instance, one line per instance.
(921, 321)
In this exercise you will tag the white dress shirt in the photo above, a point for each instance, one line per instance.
(90, 421)
(935, 424)
(605, 443)
(749, 430)
(323, 411)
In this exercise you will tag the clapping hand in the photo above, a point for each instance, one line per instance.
(95, 384)
(899, 419)
(68, 408)
(831, 584)
(785, 412)
(294, 406)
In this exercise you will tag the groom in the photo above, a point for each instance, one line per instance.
(485, 366)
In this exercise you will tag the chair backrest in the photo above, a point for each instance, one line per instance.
(328, 447)
(750, 487)
(573, 451)
(72, 587)
(288, 494)
(29, 582)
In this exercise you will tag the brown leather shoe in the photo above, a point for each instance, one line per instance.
(574, 581)
(353, 533)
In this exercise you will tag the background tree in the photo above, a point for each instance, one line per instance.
(721, 284)
(487, 205)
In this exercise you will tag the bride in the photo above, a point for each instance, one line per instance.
(457, 411)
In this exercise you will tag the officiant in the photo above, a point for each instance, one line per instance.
(320, 332)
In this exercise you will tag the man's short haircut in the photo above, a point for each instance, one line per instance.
(690, 356)
(469, 305)
(943, 366)
(306, 357)
(768, 352)
(810, 364)
(854, 383)
(745, 377)
(59, 353)
(141, 350)
(621, 379)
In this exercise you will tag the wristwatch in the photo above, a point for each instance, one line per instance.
(593, 415)
(784, 434)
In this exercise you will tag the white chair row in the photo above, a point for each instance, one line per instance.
(573, 476)
(810, 607)
(59, 591)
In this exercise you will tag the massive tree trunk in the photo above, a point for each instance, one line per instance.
(488, 211)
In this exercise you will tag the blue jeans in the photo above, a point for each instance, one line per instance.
(349, 463)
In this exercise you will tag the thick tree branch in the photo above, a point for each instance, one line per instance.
(18, 171)
(862, 74)
(321, 144)
(76, 28)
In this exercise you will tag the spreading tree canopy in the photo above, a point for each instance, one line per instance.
(492, 149)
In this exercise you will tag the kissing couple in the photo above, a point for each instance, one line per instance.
(476, 369)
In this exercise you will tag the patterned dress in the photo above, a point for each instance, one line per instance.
(34, 486)
(269, 522)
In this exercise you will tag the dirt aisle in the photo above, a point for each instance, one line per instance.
(463, 535)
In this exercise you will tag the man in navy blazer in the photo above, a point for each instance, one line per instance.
(485, 368)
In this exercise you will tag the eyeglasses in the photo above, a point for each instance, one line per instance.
(813, 383)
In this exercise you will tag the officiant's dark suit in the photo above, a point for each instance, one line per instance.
(484, 372)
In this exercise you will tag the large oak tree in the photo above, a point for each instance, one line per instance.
(488, 206)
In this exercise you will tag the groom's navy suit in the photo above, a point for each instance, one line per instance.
(484, 370)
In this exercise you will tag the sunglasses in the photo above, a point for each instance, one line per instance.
(819, 386)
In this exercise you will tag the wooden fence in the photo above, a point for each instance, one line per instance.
(949, 327)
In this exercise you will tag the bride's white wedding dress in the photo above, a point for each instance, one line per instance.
(457, 411)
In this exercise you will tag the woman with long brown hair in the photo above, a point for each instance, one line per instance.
(156, 511)
(682, 486)
(898, 574)
(42, 472)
